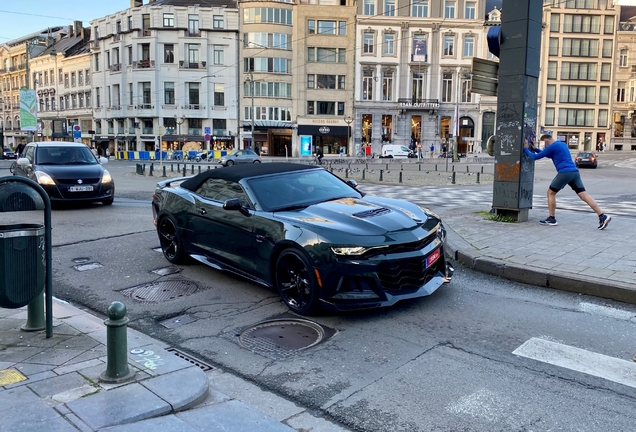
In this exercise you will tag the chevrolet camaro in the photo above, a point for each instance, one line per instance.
(304, 232)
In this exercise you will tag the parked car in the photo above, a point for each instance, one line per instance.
(7, 153)
(305, 232)
(586, 159)
(237, 157)
(67, 171)
(395, 151)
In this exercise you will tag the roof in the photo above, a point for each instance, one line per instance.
(239, 172)
(200, 3)
(57, 144)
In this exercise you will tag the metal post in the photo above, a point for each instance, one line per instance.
(453, 178)
(117, 369)
(35, 315)
(252, 141)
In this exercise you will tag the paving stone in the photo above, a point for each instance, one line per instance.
(19, 354)
(166, 423)
(16, 397)
(55, 357)
(58, 384)
(39, 417)
(157, 361)
(181, 389)
(119, 406)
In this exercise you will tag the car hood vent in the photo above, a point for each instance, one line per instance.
(372, 213)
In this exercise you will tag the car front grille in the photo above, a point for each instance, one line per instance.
(73, 181)
(401, 248)
(406, 275)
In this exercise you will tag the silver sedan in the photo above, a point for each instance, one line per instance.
(240, 157)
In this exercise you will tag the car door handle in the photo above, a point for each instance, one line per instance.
(202, 211)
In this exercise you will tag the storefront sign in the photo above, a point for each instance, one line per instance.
(305, 145)
(324, 130)
(325, 121)
(426, 104)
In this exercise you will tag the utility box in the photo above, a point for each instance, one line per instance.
(22, 264)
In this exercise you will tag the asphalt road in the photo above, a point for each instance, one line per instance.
(481, 354)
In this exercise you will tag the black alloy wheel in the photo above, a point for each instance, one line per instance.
(296, 282)
(171, 245)
(257, 161)
(230, 163)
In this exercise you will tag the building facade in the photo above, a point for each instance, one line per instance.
(624, 95)
(575, 87)
(413, 63)
(166, 70)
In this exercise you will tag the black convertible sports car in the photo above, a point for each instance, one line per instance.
(305, 232)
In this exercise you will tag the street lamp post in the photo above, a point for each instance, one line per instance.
(250, 79)
(348, 120)
(179, 123)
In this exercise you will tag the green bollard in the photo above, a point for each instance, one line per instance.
(477, 178)
(193, 169)
(453, 170)
(164, 171)
(482, 169)
(184, 170)
(35, 315)
(467, 168)
(346, 173)
(152, 167)
(117, 369)
(171, 167)
(453, 178)
(199, 169)
(400, 176)
(381, 172)
(363, 173)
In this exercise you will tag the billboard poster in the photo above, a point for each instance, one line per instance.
(420, 53)
(28, 112)
(305, 145)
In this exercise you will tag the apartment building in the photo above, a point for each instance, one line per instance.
(14, 61)
(577, 70)
(61, 78)
(624, 108)
(413, 64)
(166, 69)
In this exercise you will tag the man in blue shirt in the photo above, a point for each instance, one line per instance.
(567, 174)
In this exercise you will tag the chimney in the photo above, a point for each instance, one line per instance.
(86, 33)
(70, 31)
(78, 28)
(136, 3)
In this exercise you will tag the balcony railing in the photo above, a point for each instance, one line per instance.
(98, 131)
(144, 33)
(115, 67)
(187, 65)
(418, 103)
(95, 44)
(17, 67)
(194, 131)
(192, 33)
(115, 107)
(121, 130)
(132, 130)
(145, 106)
(193, 107)
(147, 131)
(111, 131)
(143, 64)
(116, 37)
(219, 132)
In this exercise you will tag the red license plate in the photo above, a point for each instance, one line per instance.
(430, 260)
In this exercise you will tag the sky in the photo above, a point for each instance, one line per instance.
(22, 17)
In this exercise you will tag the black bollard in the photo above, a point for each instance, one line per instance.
(192, 169)
(482, 169)
(363, 173)
(184, 170)
(419, 167)
(171, 167)
(453, 168)
(400, 176)
(453, 178)
(164, 171)
(346, 173)
(199, 169)
(467, 168)
(117, 370)
(435, 167)
(151, 170)
(477, 178)
(381, 173)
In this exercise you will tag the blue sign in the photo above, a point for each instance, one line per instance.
(77, 134)
(305, 145)
(206, 130)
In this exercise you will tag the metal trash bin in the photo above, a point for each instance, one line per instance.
(22, 264)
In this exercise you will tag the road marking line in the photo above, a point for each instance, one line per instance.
(606, 311)
(580, 360)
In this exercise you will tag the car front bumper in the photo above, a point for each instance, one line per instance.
(61, 192)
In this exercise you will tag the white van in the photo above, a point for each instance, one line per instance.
(394, 151)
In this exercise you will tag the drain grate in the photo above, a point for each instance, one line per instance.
(281, 338)
(198, 363)
(161, 290)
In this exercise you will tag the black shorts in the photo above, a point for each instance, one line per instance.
(572, 179)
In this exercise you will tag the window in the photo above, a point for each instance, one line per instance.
(267, 15)
(311, 26)
(367, 42)
(145, 52)
(80, 100)
(550, 94)
(576, 117)
(549, 116)
(66, 80)
(46, 78)
(387, 85)
(327, 27)
(449, 42)
(602, 118)
(466, 95)
(218, 54)
(129, 20)
(147, 94)
(577, 94)
(608, 48)
(107, 57)
(168, 20)
(606, 71)
(311, 81)
(193, 53)
(219, 94)
(193, 93)
(608, 25)
(217, 22)
(168, 53)
(554, 46)
(555, 22)
(145, 21)
(420, 8)
(130, 94)
(60, 75)
(388, 46)
(580, 47)
(447, 87)
(87, 74)
(620, 92)
(341, 82)
(219, 125)
(470, 9)
(369, 7)
(342, 28)
(325, 108)
(116, 95)
(389, 7)
(326, 82)
(418, 86)
(622, 62)
(73, 79)
(582, 24)
(96, 65)
(469, 46)
(168, 93)
(130, 55)
(604, 95)
(193, 25)
(449, 9)
(579, 71)
(310, 107)
(367, 85)
(98, 102)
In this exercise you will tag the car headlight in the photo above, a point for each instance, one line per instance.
(106, 178)
(352, 250)
(43, 178)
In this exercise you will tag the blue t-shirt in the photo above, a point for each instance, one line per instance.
(559, 152)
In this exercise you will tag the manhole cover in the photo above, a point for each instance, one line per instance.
(88, 266)
(161, 290)
(281, 338)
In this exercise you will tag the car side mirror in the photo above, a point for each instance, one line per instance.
(352, 183)
(235, 204)
(24, 162)
(103, 160)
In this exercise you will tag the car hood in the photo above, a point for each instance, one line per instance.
(363, 216)
(72, 171)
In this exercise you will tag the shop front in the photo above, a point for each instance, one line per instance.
(273, 138)
(222, 142)
(330, 138)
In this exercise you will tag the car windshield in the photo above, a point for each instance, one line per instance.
(299, 189)
(65, 156)
(585, 155)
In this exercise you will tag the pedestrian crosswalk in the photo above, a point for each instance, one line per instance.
(480, 197)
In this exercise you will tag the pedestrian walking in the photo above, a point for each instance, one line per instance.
(567, 174)
(432, 150)
(420, 156)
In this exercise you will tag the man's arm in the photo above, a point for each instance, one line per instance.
(546, 152)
